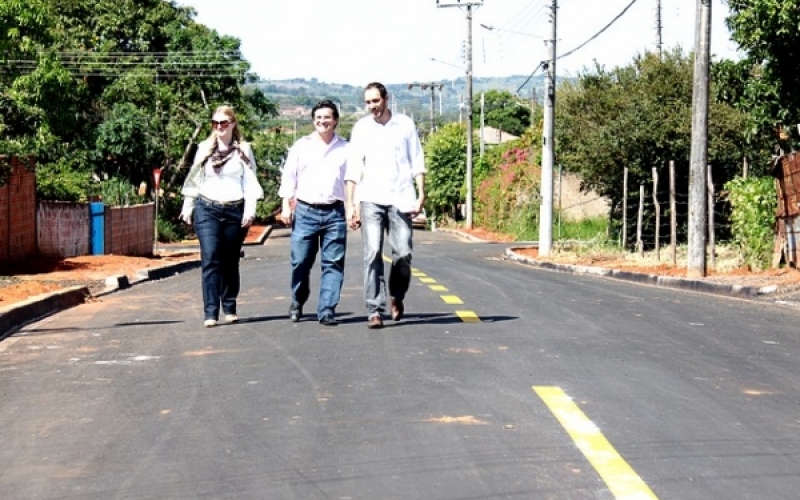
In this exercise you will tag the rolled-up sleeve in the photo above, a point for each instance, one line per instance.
(289, 176)
(355, 157)
(416, 155)
(251, 186)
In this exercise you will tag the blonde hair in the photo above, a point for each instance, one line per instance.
(228, 111)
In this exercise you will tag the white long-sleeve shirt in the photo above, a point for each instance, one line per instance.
(314, 170)
(236, 180)
(383, 161)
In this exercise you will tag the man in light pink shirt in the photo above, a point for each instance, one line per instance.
(312, 188)
(386, 175)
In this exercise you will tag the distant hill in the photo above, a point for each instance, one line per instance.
(300, 91)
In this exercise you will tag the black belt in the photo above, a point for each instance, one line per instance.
(322, 206)
(220, 203)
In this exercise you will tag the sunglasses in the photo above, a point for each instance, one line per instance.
(222, 124)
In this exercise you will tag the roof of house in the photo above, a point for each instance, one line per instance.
(493, 135)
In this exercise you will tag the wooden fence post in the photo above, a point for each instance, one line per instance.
(658, 215)
(673, 217)
(711, 226)
(624, 207)
(640, 221)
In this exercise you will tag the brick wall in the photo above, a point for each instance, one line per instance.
(64, 229)
(129, 230)
(18, 210)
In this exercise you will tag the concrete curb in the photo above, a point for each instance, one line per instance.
(694, 285)
(16, 316)
(40, 306)
(35, 308)
(462, 234)
(262, 238)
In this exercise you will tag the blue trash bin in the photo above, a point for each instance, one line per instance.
(97, 230)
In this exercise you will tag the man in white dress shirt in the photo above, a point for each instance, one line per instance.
(385, 163)
(312, 188)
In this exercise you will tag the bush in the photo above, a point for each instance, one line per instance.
(62, 181)
(753, 204)
(167, 231)
(507, 200)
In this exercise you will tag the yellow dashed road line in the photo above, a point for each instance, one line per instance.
(465, 316)
(468, 316)
(620, 478)
(451, 299)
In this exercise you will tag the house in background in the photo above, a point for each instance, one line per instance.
(493, 136)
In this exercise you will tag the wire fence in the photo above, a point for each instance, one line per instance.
(655, 214)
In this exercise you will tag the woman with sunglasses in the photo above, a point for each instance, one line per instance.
(220, 195)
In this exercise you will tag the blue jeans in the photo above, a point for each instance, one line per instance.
(375, 220)
(314, 229)
(219, 229)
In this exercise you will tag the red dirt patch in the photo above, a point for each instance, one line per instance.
(781, 276)
(38, 275)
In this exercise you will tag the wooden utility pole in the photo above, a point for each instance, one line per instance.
(696, 264)
(467, 5)
(434, 87)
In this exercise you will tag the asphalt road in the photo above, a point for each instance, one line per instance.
(503, 381)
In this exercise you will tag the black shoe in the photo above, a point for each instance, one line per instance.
(398, 309)
(328, 320)
(295, 314)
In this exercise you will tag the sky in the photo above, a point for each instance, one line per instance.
(405, 41)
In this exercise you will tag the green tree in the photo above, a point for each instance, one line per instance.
(766, 31)
(639, 117)
(445, 159)
(503, 111)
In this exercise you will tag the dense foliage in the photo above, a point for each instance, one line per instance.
(753, 203)
(112, 89)
(768, 76)
(639, 117)
(501, 110)
(445, 159)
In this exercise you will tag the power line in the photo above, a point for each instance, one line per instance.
(616, 18)
(599, 32)
(140, 53)
(529, 77)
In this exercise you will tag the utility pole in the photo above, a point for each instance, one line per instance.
(548, 147)
(698, 168)
(659, 28)
(467, 4)
(433, 87)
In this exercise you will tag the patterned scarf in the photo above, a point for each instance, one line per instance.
(196, 176)
(219, 159)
